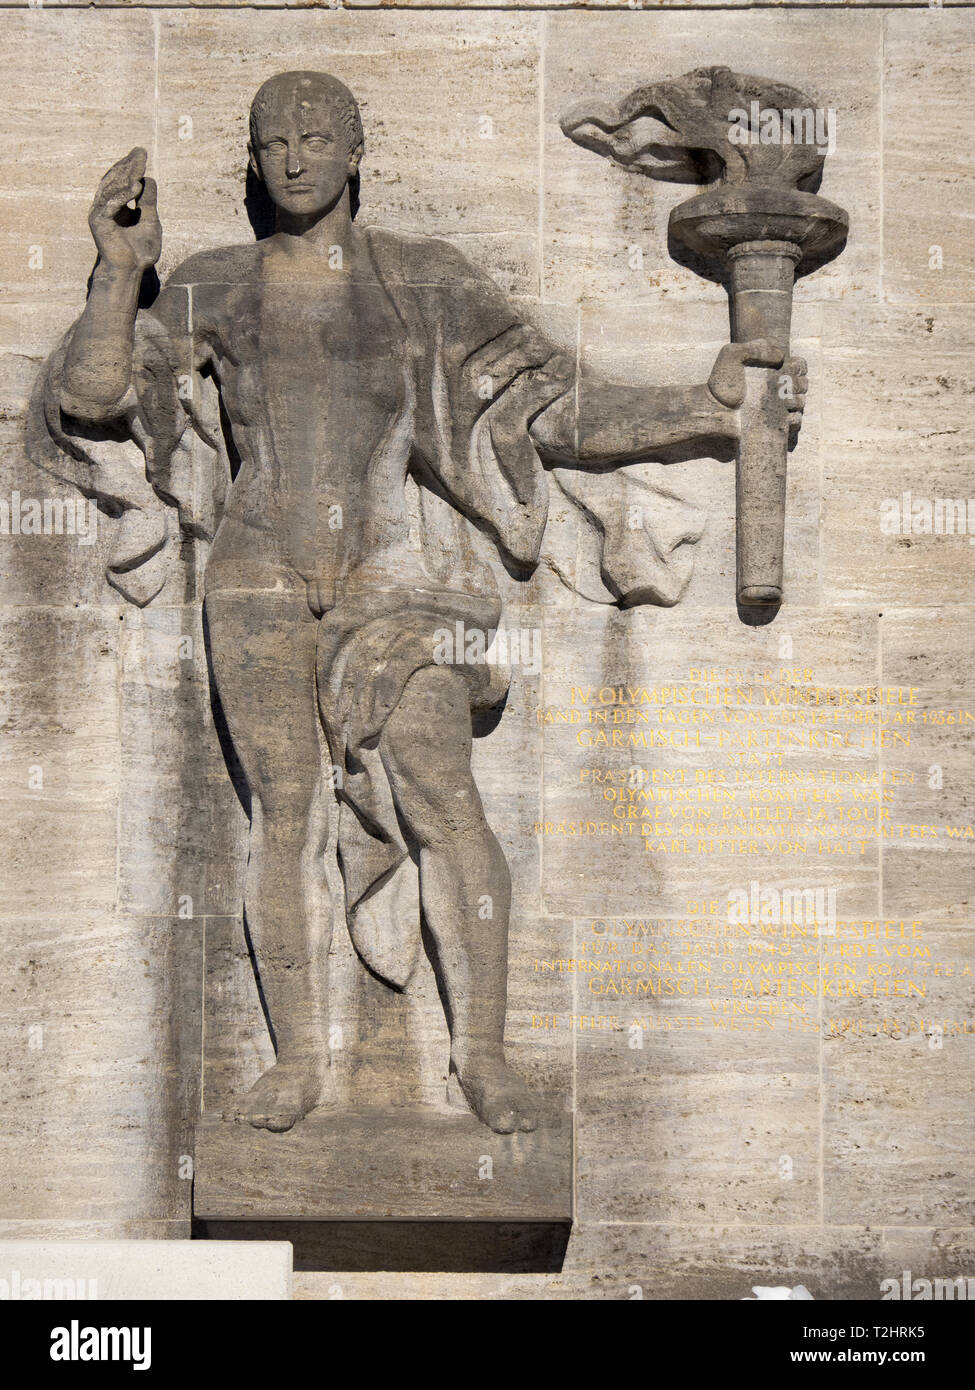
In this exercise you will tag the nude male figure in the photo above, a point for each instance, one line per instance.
(316, 364)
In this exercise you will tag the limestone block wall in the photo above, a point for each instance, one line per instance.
(709, 1158)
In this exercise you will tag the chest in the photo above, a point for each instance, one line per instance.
(322, 340)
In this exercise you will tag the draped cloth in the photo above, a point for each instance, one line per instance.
(477, 494)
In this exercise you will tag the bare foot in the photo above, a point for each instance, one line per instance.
(280, 1098)
(498, 1096)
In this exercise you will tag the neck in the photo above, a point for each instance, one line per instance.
(316, 232)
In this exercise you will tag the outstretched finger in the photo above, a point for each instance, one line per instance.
(124, 171)
(121, 184)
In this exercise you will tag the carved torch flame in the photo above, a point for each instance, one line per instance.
(761, 146)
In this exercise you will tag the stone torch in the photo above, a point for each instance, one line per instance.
(761, 146)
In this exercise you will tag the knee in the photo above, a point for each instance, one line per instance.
(452, 817)
(281, 814)
(446, 814)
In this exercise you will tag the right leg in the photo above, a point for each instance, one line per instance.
(262, 647)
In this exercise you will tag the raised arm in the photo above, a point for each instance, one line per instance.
(98, 363)
(603, 423)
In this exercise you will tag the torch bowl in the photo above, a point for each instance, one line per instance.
(732, 214)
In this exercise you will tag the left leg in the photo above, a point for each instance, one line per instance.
(465, 886)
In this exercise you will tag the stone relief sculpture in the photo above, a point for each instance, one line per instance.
(366, 434)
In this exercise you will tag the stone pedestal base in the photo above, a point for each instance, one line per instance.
(390, 1164)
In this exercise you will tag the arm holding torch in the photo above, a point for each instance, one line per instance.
(604, 423)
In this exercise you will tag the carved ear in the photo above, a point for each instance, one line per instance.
(255, 166)
(355, 158)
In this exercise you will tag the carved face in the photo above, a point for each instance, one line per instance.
(302, 152)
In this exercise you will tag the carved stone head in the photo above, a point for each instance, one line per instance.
(305, 141)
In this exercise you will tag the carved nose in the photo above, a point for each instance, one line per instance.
(293, 167)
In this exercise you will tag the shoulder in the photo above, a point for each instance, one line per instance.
(425, 260)
(228, 265)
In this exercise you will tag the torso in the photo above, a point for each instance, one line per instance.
(313, 373)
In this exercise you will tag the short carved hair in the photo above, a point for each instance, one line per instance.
(323, 87)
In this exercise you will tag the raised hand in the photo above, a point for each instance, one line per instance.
(127, 238)
(98, 363)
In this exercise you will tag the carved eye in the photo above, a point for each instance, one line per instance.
(318, 142)
(275, 146)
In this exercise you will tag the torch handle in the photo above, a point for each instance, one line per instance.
(760, 489)
(761, 283)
